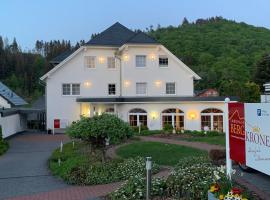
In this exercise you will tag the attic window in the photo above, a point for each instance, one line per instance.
(163, 61)
(90, 62)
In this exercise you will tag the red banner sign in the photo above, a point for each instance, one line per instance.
(56, 123)
(237, 132)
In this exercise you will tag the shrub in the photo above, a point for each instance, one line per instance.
(3, 144)
(99, 127)
(217, 156)
(143, 128)
(134, 189)
(167, 128)
(151, 132)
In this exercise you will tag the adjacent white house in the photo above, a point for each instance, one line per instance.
(133, 76)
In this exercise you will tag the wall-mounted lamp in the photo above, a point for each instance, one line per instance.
(192, 115)
(101, 59)
(125, 57)
(158, 83)
(87, 84)
(126, 83)
(152, 56)
(154, 115)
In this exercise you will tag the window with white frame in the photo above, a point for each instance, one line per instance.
(112, 89)
(140, 61)
(137, 117)
(212, 119)
(170, 88)
(90, 62)
(141, 88)
(111, 62)
(69, 89)
(163, 61)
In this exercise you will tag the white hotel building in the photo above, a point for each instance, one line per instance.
(132, 75)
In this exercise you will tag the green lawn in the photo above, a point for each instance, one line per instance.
(163, 154)
(218, 140)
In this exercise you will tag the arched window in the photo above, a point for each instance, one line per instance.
(137, 116)
(212, 119)
(109, 110)
(174, 117)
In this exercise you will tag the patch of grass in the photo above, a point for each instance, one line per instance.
(163, 154)
(3, 147)
(218, 140)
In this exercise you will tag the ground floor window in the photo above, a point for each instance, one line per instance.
(109, 110)
(212, 119)
(174, 117)
(137, 117)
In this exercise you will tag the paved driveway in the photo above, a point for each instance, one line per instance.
(23, 169)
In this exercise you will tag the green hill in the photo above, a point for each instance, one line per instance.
(223, 52)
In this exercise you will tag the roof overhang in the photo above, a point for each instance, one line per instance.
(174, 99)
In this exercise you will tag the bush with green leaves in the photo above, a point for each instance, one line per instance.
(134, 189)
(168, 128)
(99, 127)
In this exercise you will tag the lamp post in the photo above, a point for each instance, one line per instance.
(148, 177)
(228, 159)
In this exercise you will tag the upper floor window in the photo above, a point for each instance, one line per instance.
(70, 89)
(170, 88)
(90, 61)
(111, 89)
(163, 61)
(140, 61)
(111, 62)
(141, 88)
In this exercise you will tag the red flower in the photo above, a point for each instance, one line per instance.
(236, 191)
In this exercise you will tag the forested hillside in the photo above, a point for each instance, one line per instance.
(224, 53)
(229, 56)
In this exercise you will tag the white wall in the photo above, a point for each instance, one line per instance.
(12, 124)
(4, 103)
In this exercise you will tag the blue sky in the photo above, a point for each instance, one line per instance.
(31, 20)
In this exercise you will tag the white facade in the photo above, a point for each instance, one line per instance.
(12, 124)
(4, 103)
(139, 72)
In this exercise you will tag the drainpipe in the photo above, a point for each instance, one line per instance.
(120, 71)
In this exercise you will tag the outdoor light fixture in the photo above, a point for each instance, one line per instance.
(87, 84)
(152, 56)
(127, 83)
(158, 83)
(192, 115)
(101, 59)
(153, 115)
(126, 57)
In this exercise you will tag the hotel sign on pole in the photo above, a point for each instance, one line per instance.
(249, 134)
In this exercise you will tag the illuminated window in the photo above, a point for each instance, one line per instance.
(90, 62)
(137, 117)
(111, 62)
(140, 61)
(173, 117)
(212, 119)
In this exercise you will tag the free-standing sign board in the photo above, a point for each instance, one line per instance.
(249, 134)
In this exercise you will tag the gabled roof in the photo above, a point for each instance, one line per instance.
(61, 57)
(11, 96)
(117, 35)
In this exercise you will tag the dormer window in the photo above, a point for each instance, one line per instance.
(111, 62)
(90, 62)
(163, 61)
(140, 61)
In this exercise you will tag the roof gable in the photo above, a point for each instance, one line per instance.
(11, 96)
(118, 35)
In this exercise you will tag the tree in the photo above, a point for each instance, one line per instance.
(185, 21)
(99, 129)
(262, 74)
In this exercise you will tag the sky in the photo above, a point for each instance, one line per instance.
(31, 20)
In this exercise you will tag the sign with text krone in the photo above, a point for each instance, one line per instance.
(237, 132)
(257, 125)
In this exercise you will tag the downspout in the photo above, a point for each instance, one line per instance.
(120, 71)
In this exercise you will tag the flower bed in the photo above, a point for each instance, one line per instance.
(83, 168)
